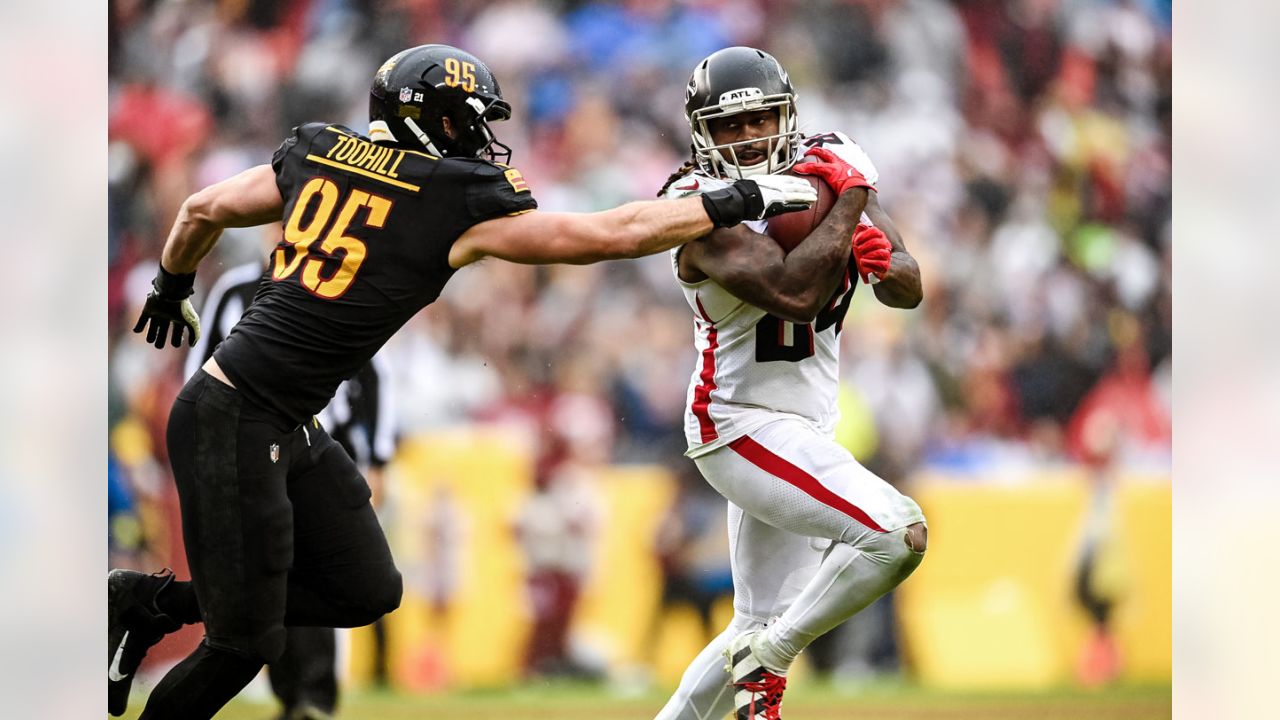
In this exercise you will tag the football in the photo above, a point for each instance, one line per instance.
(789, 229)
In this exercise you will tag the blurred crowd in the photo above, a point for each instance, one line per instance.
(1024, 151)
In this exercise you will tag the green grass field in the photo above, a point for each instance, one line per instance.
(881, 701)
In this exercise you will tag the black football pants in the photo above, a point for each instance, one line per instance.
(279, 531)
(304, 676)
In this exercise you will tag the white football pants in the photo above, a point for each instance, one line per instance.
(814, 537)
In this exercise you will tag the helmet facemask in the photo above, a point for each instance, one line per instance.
(472, 136)
(722, 160)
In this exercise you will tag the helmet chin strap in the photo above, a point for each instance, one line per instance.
(379, 130)
(422, 136)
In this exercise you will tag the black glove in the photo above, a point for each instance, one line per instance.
(168, 304)
(763, 197)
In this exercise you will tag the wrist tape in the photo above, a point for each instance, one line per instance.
(729, 206)
(174, 287)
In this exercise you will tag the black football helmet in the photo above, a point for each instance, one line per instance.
(736, 80)
(416, 88)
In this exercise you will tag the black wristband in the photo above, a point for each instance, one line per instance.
(729, 206)
(174, 287)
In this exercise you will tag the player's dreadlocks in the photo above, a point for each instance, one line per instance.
(684, 170)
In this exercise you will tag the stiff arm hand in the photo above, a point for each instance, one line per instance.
(759, 198)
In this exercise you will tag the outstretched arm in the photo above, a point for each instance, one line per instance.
(629, 231)
(900, 287)
(793, 286)
(250, 198)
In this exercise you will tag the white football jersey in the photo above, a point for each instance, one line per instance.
(753, 366)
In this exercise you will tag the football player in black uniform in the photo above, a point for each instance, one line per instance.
(277, 523)
(304, 677)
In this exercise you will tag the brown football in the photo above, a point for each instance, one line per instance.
(789, 229)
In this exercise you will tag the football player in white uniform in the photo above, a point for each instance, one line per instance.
(814, 536)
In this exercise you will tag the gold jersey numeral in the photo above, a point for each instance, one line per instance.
(300, 234)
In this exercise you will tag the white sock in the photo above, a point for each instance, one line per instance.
(849, 579)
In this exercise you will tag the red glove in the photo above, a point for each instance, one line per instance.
(871, 252)
(834, 171)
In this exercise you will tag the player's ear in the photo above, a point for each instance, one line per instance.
(447, 126)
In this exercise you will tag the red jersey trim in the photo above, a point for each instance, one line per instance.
(702, 393)
(756, 454)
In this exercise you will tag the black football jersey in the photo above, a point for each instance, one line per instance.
(367, 233)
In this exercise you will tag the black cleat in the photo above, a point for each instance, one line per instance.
(134, 624)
